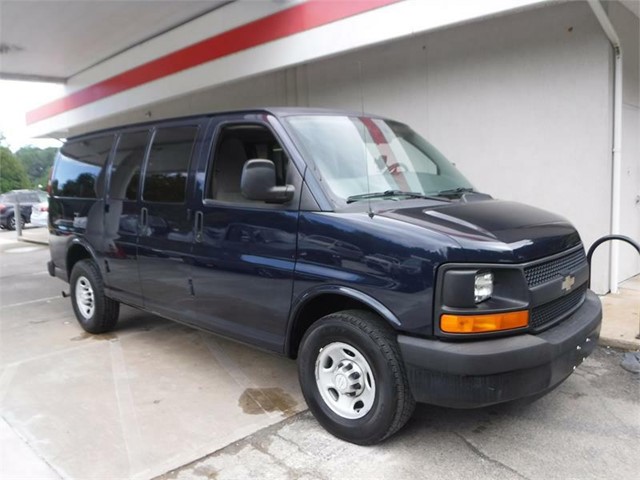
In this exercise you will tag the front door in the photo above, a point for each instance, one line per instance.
(244, 251)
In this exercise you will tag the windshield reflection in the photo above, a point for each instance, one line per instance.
(355, 156)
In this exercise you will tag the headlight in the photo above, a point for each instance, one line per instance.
(483, 286)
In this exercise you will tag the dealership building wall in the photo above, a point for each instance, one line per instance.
(521, 103)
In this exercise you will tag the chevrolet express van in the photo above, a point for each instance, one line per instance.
(341, 239)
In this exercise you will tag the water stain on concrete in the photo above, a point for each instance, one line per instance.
(255, 401)
(206, 472)
(85, 335)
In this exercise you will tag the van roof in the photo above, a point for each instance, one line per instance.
(280, 112)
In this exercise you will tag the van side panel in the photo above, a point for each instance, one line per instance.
(77, 200)
(121, 217)
(392, 262)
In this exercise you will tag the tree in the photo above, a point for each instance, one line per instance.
(12, 174)
(37, 162)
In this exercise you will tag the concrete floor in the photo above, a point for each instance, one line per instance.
(621, 325)
(588, 428)
(154, 396)
(150, 397)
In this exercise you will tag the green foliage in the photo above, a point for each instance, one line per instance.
(37, 162)
(12, 174)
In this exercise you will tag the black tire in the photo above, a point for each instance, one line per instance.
(11, 222)
(376, 341)
(104, 315)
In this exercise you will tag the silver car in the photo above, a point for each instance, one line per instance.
(40, 211)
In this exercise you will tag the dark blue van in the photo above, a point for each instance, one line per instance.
(343, 240)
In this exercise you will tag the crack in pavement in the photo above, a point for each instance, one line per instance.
(486, 457)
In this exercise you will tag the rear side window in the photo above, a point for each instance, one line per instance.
(79, 167)
(32, 197)
(168, 165)
(127, 163)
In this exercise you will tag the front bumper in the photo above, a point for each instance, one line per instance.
(486, 372)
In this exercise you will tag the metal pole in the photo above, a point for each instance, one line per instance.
(17, 216)
(616, 161)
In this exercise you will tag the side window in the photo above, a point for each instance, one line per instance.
(126, 166)
(79, 167)
(168, 165)
(235, 145)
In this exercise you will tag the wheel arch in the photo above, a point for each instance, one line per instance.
(318, 302)
(79, 250)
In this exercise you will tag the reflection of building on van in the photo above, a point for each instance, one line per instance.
(343, 240)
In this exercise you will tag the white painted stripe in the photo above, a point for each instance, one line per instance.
(18, 460)
(45, 299)
(126, 409)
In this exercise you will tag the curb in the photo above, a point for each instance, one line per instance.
(620, 344)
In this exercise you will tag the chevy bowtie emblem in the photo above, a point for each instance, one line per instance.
(568, 282)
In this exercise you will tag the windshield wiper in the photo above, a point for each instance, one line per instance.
(455, 191)
(392, 193)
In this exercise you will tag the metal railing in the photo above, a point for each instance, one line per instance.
(608, 238)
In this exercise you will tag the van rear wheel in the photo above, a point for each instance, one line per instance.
(95, 312)
(352, 377)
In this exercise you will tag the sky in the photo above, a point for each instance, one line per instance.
(16, 99)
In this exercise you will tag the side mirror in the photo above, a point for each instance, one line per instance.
(258, 182)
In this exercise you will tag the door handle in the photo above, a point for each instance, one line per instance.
(198, 227)
(144, 217)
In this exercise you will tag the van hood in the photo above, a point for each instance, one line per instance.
(493, 230)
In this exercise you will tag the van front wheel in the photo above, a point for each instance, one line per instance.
(353, 378)
(95, 312)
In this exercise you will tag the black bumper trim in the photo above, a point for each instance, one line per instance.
(485, 372)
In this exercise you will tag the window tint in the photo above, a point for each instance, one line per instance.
(79, 166)
(126, 166)
(168, 165)
(235, 145)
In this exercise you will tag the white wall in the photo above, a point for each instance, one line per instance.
(628, 29)
(521, 103)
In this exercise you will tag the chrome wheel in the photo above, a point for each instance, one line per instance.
(84, 297)
(345, 380)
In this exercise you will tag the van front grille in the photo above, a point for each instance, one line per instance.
(551, 269)
(550, 313)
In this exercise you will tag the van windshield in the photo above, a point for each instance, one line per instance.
(362, 157)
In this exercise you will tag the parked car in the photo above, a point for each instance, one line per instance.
(40, 214)
(344, 240)
(27, 199)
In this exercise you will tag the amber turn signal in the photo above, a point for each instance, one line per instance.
(484, 323)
